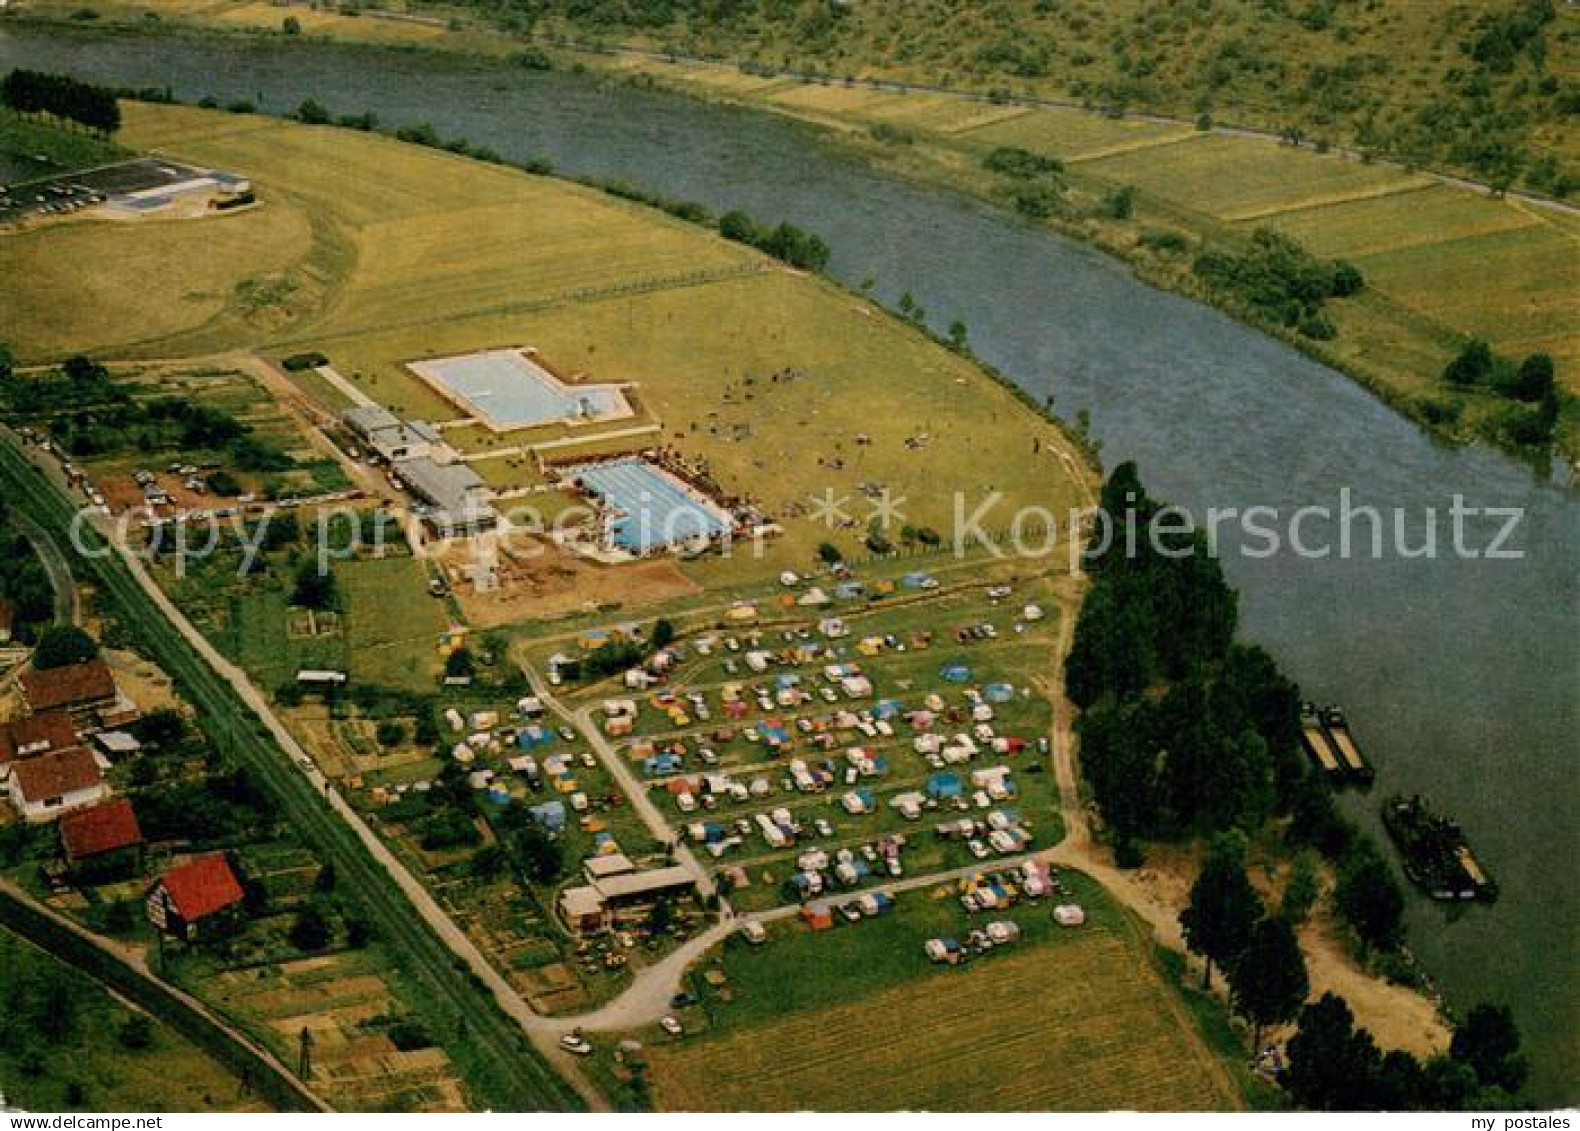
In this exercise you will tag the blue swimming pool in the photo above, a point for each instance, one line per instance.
(649, 507)
(506, 389)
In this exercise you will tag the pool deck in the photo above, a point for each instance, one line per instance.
(529, 392)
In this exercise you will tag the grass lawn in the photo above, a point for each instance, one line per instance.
(171, 1074)
(65, 149)
(393, 623)
(786, 385)
(858, 1019)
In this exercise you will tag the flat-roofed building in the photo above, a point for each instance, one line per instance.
(455, 498)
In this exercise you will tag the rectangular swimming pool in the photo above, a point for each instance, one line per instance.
(647, 507)
(506, 389)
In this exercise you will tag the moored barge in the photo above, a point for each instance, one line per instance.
(1436, 856)
(1342, 739)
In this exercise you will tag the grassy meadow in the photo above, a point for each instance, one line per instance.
(1066, 1020)
(378, 252)
(79, 1061)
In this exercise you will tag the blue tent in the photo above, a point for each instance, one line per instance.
(533, 737)
(1000, 692)
(955, 673)
(665, 763)
(944, 785)
(788, 679)
(849, 590)
(886, 708)
(916, 580)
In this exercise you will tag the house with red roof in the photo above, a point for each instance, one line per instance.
(102, 841)
(80, 689)
(34, 735)
(197, 899)
(45, 787)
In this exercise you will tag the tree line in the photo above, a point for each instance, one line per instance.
(1185, 732)
(89, 414)
(1532, 385)
(1281, 281)
(63, 98)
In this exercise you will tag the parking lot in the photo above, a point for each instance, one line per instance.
(66, 193)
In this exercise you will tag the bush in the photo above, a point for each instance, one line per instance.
(1472, 366)
(390, 733)
(62, 646)
(310, 932)
(1012, 161)
(135, 1033)
(312, 113)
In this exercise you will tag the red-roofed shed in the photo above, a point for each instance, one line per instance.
(188, 899)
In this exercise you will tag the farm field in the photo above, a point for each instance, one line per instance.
(1077, 1020)
(1404, 229)
(1071, 134)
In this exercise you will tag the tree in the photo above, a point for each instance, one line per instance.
(63, 645)
(540, 854)
(1534, 380)
(957, 334)
(1332, 1065)
(1300, 893)
(459, 664)
(829, 553)
(135, 1033)
(312, 112)
(1489, 1043)
(1472, 366)
(390, 733)
(1268, 981)
(1368, 897)
(291, 26)
(663, 632)
(310, 932)
(315, 588)
(1224, 908)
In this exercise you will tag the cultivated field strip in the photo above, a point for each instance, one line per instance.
(1082, 1027)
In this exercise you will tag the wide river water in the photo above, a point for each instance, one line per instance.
(1461, 676)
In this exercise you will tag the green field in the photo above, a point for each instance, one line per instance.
(384, 254)
(856, 1019)
(74, 1059)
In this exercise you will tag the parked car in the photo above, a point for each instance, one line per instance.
(575, 1043)
(671, 1026)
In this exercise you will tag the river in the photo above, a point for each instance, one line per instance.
(1461, 676)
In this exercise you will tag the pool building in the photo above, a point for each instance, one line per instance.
(647, 508)
(509, 389)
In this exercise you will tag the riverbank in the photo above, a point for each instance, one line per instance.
(1444, 260)
(1461, 661)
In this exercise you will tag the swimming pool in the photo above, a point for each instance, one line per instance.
(649, 507)
(506, 389)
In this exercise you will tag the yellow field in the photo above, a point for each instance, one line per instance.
(1232, 178)
(1080, 1027)
(378, 252)
(1072, 134)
